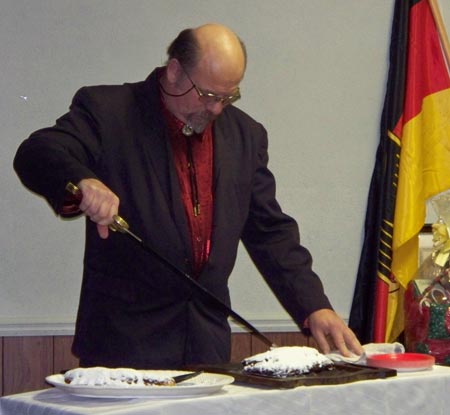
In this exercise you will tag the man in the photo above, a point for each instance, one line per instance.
(189, 172)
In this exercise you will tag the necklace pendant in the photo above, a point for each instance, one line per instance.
(196, 209)
(187, 130)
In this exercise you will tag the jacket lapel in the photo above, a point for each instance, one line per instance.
(161, 163)
(224, 194)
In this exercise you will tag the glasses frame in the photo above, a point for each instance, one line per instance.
(209, 97)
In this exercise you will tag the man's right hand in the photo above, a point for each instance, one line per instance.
(99, 204)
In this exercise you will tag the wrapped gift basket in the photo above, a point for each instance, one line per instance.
(427, 297)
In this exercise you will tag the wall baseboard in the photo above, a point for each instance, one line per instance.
(12, 329)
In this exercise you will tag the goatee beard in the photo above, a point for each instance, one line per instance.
(199, 122)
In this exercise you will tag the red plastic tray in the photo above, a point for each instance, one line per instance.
(402, 361)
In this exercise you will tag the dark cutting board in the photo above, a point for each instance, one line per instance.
(342, 373)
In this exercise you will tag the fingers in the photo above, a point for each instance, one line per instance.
(103, 231)
(340, 343)
(330, 333)
(322, 342)
(346, 341)
(353, 343)
(332, 341)
(99, 203)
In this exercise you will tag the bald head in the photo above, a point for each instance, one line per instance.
(214, 49)
(221, 51)
(203, 74)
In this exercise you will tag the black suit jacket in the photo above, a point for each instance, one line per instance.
(133, 310)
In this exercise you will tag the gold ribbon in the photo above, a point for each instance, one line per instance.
(441, 243)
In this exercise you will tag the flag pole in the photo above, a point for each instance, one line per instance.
(434, 4)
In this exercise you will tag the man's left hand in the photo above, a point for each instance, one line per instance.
(328, 329)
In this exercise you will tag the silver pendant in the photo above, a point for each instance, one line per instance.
(187, 130)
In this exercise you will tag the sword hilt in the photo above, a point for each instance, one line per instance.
(119, 224)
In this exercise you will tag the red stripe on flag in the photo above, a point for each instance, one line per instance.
(422, 79)
(381, 296)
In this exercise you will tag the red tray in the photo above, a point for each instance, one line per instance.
(402, 361)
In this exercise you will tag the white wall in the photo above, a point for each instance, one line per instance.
(315, 78)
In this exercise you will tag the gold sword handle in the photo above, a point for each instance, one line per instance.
(119, 224)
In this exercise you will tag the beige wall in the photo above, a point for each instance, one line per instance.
(315, 79)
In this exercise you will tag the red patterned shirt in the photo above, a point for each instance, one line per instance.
(193, 157)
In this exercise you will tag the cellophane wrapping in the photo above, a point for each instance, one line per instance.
(427, 297)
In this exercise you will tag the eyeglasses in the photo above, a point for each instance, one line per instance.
(209, 97)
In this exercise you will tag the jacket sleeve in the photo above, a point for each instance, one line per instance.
(51, 157)
(273, 242)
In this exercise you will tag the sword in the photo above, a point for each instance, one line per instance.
(120, 225)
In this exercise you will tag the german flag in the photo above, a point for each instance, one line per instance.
(412, 164)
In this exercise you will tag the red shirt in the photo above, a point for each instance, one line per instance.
(195, 176)
(193, 158)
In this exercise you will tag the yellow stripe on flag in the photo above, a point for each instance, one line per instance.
(424, 172)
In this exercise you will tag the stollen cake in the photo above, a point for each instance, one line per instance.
(282, 362)
(102, 376)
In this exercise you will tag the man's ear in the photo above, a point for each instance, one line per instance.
(173, 71)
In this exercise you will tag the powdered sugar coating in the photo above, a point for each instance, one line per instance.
(287, 361)
(102, 376)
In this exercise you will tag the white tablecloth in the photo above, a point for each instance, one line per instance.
(410, 393)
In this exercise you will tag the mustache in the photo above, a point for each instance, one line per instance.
(207, 116)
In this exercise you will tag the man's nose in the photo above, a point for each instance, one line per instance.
(215, 107)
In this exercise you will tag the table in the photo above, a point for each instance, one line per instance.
(410, 393)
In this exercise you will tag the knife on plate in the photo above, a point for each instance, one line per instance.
(120, 225)
(186, 376)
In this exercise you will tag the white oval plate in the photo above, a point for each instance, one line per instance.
(203, 384)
